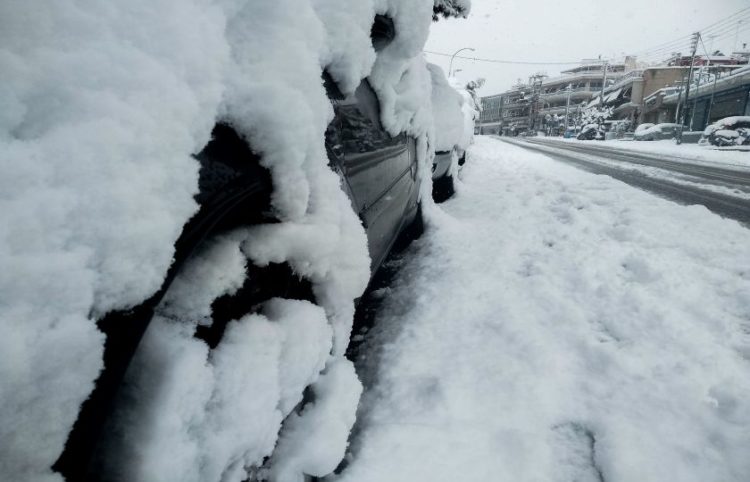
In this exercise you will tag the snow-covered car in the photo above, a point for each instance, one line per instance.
(454, 113)
(658, 132)
(199, 203)
(591, 132)
(643, 127)
(730, 131)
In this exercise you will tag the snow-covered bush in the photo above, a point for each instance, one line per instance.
(730, 131)
(451, 8)
(102, 106)
(595, 115)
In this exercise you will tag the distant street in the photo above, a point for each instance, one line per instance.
(723, 190)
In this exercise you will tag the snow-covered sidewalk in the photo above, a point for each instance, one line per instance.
(555, 325)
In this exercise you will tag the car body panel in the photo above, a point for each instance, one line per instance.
(380, 171)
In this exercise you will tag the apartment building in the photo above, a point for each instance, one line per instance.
(530, 106)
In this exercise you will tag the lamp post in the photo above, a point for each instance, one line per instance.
(450, 66)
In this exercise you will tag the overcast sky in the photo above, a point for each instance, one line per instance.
(563, 31)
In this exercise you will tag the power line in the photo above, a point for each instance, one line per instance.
(500, 61)
(720, 29)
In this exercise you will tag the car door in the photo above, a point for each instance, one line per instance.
(379, 170)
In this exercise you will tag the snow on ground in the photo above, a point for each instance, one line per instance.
(687, 152)
(556, 325)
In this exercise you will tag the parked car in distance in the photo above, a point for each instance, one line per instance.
(591, 132)
(643, 127)
(658, 132)
(730, 131)
(454, 112)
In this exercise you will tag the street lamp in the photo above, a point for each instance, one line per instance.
(450, 66)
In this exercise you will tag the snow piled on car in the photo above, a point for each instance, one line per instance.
(103, 106)
(447, 107)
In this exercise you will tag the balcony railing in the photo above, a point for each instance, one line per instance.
(572, 91)
(625, 79)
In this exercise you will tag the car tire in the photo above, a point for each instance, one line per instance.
(233, 199)
(443, 188)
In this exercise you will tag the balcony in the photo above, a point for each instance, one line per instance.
(626, 79)
(577, 94)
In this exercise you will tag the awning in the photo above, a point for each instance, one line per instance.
(612, 96)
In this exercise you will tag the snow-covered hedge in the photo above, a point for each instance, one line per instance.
(102, 105)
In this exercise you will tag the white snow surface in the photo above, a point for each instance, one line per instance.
(687, 152)
(101, 107)
(555, 325)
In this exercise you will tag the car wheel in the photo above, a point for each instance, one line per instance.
(443, 188)
(235, 193)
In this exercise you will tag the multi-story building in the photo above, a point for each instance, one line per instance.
(516, 114)
(490, 120)
(532, 105)
(711, 99)
(626, 96)
(737, 58)
(576, 87)
(650, 94)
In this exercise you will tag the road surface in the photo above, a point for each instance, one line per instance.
(724, 190)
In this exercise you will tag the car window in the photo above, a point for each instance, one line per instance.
(358, 119)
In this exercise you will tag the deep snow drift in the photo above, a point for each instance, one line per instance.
(555, 325)
(101, 107)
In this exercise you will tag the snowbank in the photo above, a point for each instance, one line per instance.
(102, 107)
(584, 330)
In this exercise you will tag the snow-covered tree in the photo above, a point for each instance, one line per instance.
(595, 115)
(471, 87)
(451, 8)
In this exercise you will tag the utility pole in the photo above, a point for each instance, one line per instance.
(567, 108)
(711, 102)
(695, 104)
(736, 35)
(694, 47)
(605, 66)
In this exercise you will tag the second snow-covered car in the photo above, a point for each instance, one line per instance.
(658, 132)
(454, 132)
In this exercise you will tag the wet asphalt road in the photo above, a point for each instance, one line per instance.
(700, 182)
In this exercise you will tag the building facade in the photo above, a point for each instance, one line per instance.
(542, 102)
(716, 97)
(627, 96)
(490, 119)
